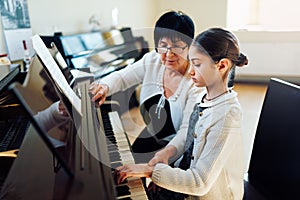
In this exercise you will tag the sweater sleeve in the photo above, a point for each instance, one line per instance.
(50, 117)
(127, 77)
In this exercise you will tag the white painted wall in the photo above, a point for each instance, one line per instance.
(272, 58)
(69, 16)
(205, 13)
(269, 52)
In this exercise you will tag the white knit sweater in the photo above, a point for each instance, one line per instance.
(51, 117)
(216, 173)
(149, 71)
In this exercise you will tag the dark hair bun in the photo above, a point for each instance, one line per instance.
(242, 60)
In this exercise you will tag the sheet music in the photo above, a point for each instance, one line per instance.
(55, 72)
(77, 73)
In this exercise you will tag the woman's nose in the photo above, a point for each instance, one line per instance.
(169, 52)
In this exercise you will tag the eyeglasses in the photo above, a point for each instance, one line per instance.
(176, 50)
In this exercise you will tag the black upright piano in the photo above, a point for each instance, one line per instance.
(96, 144)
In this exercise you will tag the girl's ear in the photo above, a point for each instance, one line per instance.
(224, 65)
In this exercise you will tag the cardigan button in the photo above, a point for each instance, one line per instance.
(194, 135)
(200, 114)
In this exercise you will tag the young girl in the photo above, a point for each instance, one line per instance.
(212, 166)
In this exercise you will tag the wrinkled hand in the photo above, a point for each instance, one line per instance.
(133, 170)
(99, 92)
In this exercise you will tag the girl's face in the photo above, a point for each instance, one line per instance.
(204, 72)
(176, 57)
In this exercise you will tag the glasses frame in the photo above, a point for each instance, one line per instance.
(171, 49)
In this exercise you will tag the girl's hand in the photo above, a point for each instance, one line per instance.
(133, 170)
(163, 155)
(159, 157)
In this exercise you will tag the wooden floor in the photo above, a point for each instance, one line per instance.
(251, 97)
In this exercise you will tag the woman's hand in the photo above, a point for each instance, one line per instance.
(133, 170)
(99, 92)
(62, 109)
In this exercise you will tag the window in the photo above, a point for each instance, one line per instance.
(263, 15)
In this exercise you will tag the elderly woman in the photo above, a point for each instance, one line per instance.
(167, 96)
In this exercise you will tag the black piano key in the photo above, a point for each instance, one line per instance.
(114, 165)
(109, 132)
(18, 139)
(111, 147)
(111, 137)
(122, 190)
(109, 141)
(114, 158)
(14, 134)
(114, 154)
(113, 141)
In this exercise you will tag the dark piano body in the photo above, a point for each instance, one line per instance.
(12, 121)
(99, 52)
(34, 173)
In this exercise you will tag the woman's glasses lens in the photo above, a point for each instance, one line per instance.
(176, 50)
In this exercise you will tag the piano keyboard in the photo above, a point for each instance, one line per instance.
(120, 154)
(118, 147)
(13, 133)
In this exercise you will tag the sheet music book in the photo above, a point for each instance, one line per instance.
(54, 70)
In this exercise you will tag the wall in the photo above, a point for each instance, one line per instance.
(270, 53)
(205, 13)
(69, 16)
(55, 15)
(2, 44)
